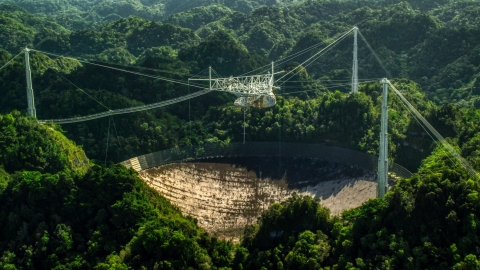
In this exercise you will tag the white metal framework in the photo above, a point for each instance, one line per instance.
(252, 91)
(127, 110)
(257, 91)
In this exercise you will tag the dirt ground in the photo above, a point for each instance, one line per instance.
(225, 197)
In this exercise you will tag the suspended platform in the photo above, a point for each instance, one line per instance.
(251, 91)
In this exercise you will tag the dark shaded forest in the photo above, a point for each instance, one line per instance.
(427, 44)
(64, 203)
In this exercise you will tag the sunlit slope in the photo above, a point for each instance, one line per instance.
(27, 145)
(59, 210)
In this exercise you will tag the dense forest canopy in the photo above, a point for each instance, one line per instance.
(63, 218)
(426, 43)
(92, 13)
(55, 211)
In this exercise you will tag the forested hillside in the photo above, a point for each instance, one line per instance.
(79, 14)
(429, 44)
(66, 217)
(59, 208)
(60, 211)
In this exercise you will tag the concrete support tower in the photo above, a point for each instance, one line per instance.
(355, 62)
(30, 99)
(382, 178)
(210, 77)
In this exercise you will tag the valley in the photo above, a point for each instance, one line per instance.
(205, 184)
(225, 197)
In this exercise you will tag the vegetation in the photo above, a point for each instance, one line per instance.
(56, 217)
(235, 43)
(77, 15)
(60, 210)
(400, 232)
(66, 219)
(29, 146)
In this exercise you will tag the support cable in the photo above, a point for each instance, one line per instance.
(264, 68)
(117, 64)
(116, 134)
(189, 116)
(198, 74)
(288, 58)
(331, 84)
(291, 56)
(216, 73)
(10, 60)
(375, 55)
(80, 89)
(127, 110)
(189, 107)
(123, 111)
(318, 89)
(428, 133)
(470, 170)
(315, 55)
(348, 80)
(123, 70)
(327, 49)
(439, 137)
(244, 123)
(108, 137)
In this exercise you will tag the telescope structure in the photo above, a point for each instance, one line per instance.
(251, 91)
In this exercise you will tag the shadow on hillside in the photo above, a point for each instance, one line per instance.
(296, 172)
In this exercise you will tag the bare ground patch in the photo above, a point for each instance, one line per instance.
(224, 197)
